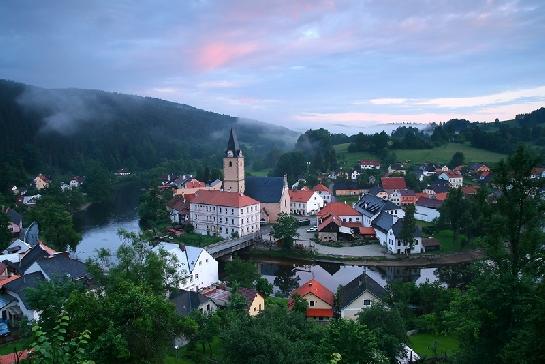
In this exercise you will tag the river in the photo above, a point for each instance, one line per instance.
(100, 224)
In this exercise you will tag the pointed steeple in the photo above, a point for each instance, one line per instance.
(232, 145)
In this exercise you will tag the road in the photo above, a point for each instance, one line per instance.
(374, 250)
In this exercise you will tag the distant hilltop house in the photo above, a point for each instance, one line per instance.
(122, 172)
(41, 181)
(397, 168)
(196, 266)
(305, 202)
(369, 164)
(455, 179)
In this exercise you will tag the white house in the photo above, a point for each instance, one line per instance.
(361, 293)
(355, 174)
(226, 214)
(427, 209)
(16, 303)
(305, 202)
(197, 268)
(370, 207)
(369, 164)
(455, 179)
(388, 229)
(323, 191)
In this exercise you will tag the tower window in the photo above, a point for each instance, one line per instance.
(230, 164)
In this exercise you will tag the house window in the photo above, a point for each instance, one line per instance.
(196, 276)
(207, 307)
(255, 309)
(366, 302)
(311, 303)
(200, 263)
(260, 307)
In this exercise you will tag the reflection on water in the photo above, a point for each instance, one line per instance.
(101, 222)
(333, 275)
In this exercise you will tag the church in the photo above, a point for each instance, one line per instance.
(271, 192)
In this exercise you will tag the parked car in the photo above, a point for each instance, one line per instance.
(312, 229)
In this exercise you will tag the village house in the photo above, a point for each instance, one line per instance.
(388, 230)
(123, 172)
(397, 168)
(345, 212)
(354, 175)
(362, 292)
(41, 181)
(195, 265)
(305, 202)
(187, 302)
(393, 187)
(370, 207)
(478, 168)
(427, 209)
(331, 229)
(272, 194)
(455, 179)
(438, 191)
(178, 208)
(407, 197)
(379, 192)
(58, 266)
(226, 214)
(347, 188)
(221, 296)
(15, 220)
(15, 299)
(191, 185)
(320, 300)
(323, 191)
(470, 190)
(369, 164)
(537, 172)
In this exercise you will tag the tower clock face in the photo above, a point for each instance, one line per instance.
(230, 154)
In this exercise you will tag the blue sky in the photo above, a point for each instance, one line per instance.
(343, 65)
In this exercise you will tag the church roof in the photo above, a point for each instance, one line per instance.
(232, 144)
(264, 189)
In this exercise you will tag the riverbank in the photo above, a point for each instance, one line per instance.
(421, 260)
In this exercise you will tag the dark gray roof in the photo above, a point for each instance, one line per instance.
(14, 216)
(429, 202)
(31, 234)
(360, 284)
(370, 205)
(232, 144)
(399, 225)
(407, 192)
(346, 185)
(20, 285)
(384, 221)
(35, 253)
(187, 301)
(61, 266)
(264, 189)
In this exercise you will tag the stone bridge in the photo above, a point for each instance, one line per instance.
(227, 247)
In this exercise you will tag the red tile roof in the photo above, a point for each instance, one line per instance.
(452, 174)
(338, 209)
(319, 312)
(300, 195)
(223, 198)
(370, 162)
(11, 359)
(317, 289)
(320, 188)
(364, 230)
(194, 184)
(47, 249)
(328, 221)
(393, 183)
(469, 190)
(6, 280)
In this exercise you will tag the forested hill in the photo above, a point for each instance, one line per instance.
(63, 129)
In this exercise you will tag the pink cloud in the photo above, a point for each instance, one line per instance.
(220, 53)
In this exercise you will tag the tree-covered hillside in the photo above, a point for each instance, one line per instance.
(50, 131)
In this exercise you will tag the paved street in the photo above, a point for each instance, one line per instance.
(374, 250)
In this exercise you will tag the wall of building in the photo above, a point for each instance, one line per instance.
(258, 305)
(327, 236)
(223, 221)
(233, 174)
(351, 311)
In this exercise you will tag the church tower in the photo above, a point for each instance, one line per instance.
(233, 166)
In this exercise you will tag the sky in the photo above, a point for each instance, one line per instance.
(343, 65)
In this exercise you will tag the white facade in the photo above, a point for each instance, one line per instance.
(363, 301)
(454, 181)
(355, 175)
(325, 195)
(197, 268)
(396, 246)
(395, 197)
(224, 221)
(306, 208)
(369, 166)
(427, 214)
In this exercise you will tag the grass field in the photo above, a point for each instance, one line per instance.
(430, 345)
(441, 154)
(348, 199)
(196, 355)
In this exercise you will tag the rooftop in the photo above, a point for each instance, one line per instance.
(300, 195)
(223, 198)
(393, 183)
(338, 209)
(355, 288)
(317, 289)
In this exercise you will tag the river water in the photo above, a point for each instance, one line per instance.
(100, 224)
